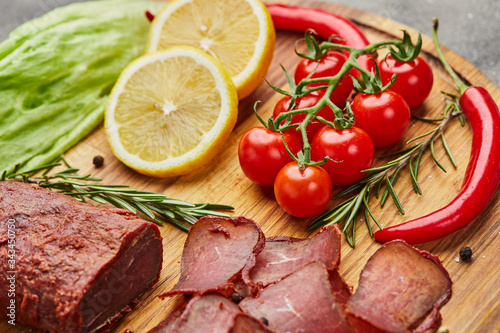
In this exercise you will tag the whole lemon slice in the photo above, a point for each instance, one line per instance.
(238, 33)
(170, 111)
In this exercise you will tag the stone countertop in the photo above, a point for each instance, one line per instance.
(470, 28)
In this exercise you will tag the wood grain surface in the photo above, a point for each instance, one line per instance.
(475, 302)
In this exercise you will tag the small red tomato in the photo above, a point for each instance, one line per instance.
(262, 154)
(302, 193)
(414, 79)
(306, 101)
(352, 150)
(385, 116)
(329, 65)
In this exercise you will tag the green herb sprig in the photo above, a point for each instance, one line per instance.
(388, 174)
(155, 206)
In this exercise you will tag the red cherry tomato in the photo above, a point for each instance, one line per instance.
(306, 101)
(262, 154)
(414, 81)
(302, 193)
(329, 65)
(352, 148)
(385, 116)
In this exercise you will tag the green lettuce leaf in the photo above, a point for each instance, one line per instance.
(56, 72)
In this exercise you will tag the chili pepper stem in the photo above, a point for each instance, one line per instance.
(459, 83)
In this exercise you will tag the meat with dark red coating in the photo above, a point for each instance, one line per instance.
(282, 256)
(78, 267)
(302, 302)
(203, 313)
(400, 289)
(217, 252)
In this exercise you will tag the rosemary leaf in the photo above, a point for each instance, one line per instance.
(386, 191)
(144, 209)
(367, 208)
(367, 221)
(448, 151)
(175, 202)
(434, 156)
(349, 190)
(204, 212)
(430, 120)
(98, 198)
(356, 206)
(394, 196)
(413, 176)
(117, 201)
(420, 136)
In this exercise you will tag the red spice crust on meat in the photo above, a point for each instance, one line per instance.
(62, 249)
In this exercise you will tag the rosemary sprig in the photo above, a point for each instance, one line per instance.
(388, 174)
(155, 206)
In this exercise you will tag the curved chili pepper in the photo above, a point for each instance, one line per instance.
(482, 175)
(325, 24)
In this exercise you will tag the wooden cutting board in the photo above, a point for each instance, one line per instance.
(475, 303)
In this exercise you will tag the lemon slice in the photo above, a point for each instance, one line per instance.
(238, 33)
(170, 111)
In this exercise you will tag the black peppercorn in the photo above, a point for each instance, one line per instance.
(465, 253)
(236, 297)
(98, 161)
(264, 321)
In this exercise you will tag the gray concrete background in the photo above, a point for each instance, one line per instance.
(470, 28)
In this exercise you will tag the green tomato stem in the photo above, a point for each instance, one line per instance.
(332, 82)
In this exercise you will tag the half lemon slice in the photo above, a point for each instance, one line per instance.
(170, 111)
(238, 33)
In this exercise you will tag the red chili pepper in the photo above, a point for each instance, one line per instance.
(482, 175)
(325, 24)
(150, 16)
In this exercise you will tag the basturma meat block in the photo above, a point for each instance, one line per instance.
(73, 267)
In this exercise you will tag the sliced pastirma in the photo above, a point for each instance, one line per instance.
(205, 313)
(302, 302)
(284, 255)
(244, 323)
(217, 252)
(400, 289)
(77, 268)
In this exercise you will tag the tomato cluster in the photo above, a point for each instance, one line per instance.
(381, 119)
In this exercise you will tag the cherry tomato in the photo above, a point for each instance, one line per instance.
(414, 81)
(352, 150)
(385, 116)
(306, 101)
(262, 154)
(302, 193)
(329, 65)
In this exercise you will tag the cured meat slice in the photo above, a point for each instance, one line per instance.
(243, 323)
(399, 288)
(284, 255)
(302, 302)
(217, 252)
(75, 267)
(341, 291)
(205, 313)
